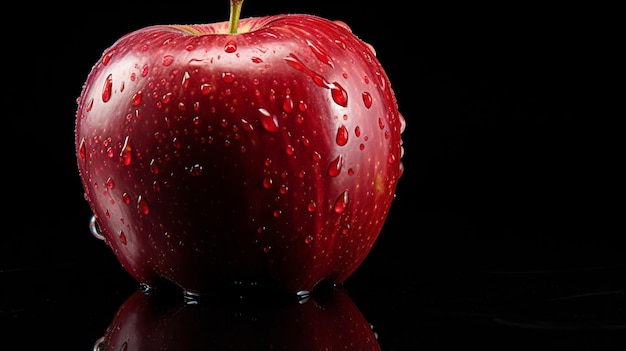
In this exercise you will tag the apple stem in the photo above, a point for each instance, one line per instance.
(235, 12)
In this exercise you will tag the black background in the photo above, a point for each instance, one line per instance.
(506, 227)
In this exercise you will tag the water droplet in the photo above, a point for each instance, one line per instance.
(311, 206)
(106, 58)
(125, 154)
(357, 131)
(136, 100)
(339, 94)
(205, 89)
(367, 99)
(335, 166)
(316, 156)
(277, 213)
(308, 239)
(168, 60)
(142, 205)
(95, 229)
(231, 46)
(267, 182)
(288, 104)
(107, 88)
(342, 135)
(256, 60)
(126, 198)
(381, 123)
(391, 158)
(144, 70)
(185, 82)
(283, 189)
(81, 149)
(122, 237)
(109, 183)
(290, 149)
(247, 126)
(341, 203)
(228, 77)
(89, 105)
(268, 121)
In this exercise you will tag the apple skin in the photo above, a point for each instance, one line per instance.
(266, 157)
(156, 321)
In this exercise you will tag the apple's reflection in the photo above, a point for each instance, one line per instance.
(159, 320)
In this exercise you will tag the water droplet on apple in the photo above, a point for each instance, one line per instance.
(339, 94)
(316, 156)
(136, 100)
(268, 121)
(267, 182)
(288, 104)
(122, 237)
(231, 46)
(247, 126)
(228, 77)
(335, 166)
(168, 60)
(290, 150)
(126, 198)
(107, 89)
(125, 154)
(308, 239)
(311, 206)
(95, 229)
(142, 205)
(357, 131)
(205, 89)
(257, 60)
(341, 203)
(342, 135)
(367, 99)
(81, 149)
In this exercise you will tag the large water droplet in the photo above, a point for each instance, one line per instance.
(95, 229)
(367, 99)
(341, 203)
(342, 135)
(335, 166)
(339, 94)
(107, 89)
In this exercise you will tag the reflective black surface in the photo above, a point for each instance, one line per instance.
(505, 233)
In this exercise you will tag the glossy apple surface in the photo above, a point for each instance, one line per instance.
(156, 322)
(270, 156)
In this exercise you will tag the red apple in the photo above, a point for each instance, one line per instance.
(262, 151)
(156, 321)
